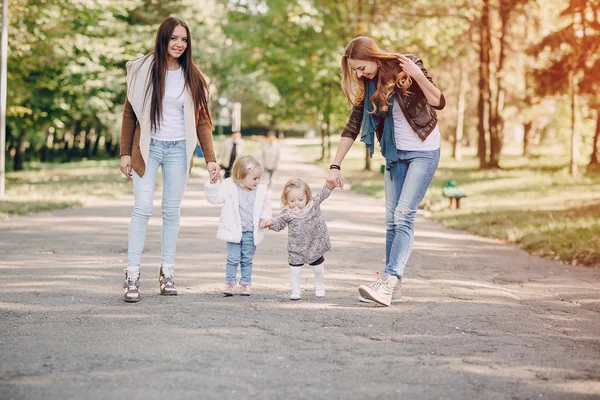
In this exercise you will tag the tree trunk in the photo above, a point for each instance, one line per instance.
(594, 159)
(89, 138)
(97, 142)
(71, 144)
(367, 160)
(484, 83)
(322, 129)
(573, 160)
(527, 128)
(497, 131)
(460, 117)
(19, 160)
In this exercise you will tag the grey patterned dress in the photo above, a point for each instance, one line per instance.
(308, 238)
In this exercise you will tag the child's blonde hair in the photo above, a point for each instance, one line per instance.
(242, 165)
(295, 184)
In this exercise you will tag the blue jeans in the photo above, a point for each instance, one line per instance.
(172, 156)
(402, 198)
(240, 254)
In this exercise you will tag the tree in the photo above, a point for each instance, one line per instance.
(572, 54)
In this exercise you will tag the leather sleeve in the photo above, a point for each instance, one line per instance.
(352, 128)
(419, 62)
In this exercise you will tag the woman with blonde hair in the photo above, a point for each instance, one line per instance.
(165, 116)
(393, 98)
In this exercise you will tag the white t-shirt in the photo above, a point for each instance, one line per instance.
(407, 139)
(172, 125)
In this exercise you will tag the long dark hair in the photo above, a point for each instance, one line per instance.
(194, 80)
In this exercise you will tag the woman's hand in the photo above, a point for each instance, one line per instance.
(410, 67)
(334, 179)
(265, 223)
(125, 166)
(214, 171)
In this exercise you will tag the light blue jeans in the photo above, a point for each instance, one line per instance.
(240, 254)
(402, 198)
(172, 156)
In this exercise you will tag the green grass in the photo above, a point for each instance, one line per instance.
(45, 187)
(533, 202)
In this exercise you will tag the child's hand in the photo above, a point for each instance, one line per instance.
(330, 185)
(265, 223)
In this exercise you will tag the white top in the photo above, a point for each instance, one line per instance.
(230, 221)
(246, 200)
(407, 139)
(172, 126)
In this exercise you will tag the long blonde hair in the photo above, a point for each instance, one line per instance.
(389, 73)
(294, 184)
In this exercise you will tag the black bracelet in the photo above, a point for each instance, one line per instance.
(335, 166)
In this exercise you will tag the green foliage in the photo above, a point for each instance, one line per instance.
(296, 47)
(572, 49)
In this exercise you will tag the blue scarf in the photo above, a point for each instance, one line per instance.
(369, 127)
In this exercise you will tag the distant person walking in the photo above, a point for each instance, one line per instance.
(270, 156)
(231, 148)
(393, 98)
(165, 115)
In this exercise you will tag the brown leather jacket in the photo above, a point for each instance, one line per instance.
(420, 115)
(130, 140)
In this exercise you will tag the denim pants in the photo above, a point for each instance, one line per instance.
(172, 156)
(240, 254)
(403, 195)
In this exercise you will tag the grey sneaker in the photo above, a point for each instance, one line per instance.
(167, 284)
(381, 290)
(396, 295)
(132, 288)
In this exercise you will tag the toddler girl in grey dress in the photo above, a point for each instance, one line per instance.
(308, 239)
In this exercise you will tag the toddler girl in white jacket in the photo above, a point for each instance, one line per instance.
(245, 203)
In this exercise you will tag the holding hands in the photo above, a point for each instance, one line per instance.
(214, 171)
(265, 223)
(334, 179)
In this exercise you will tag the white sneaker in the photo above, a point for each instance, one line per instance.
(396, 296)
(295, 273)
(319, 277)
(381, 290)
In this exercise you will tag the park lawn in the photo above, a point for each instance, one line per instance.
(532, 202)
(49, 186)
(46, 186)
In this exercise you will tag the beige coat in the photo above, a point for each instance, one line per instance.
(136, 128)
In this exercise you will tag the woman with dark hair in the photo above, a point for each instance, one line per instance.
(394, 99)
(166, 115)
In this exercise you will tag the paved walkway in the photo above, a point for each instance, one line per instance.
(483, 319)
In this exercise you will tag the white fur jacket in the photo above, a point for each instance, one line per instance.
(230, 222)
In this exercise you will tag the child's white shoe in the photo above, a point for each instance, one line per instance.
(295, 282)
(319, 277)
